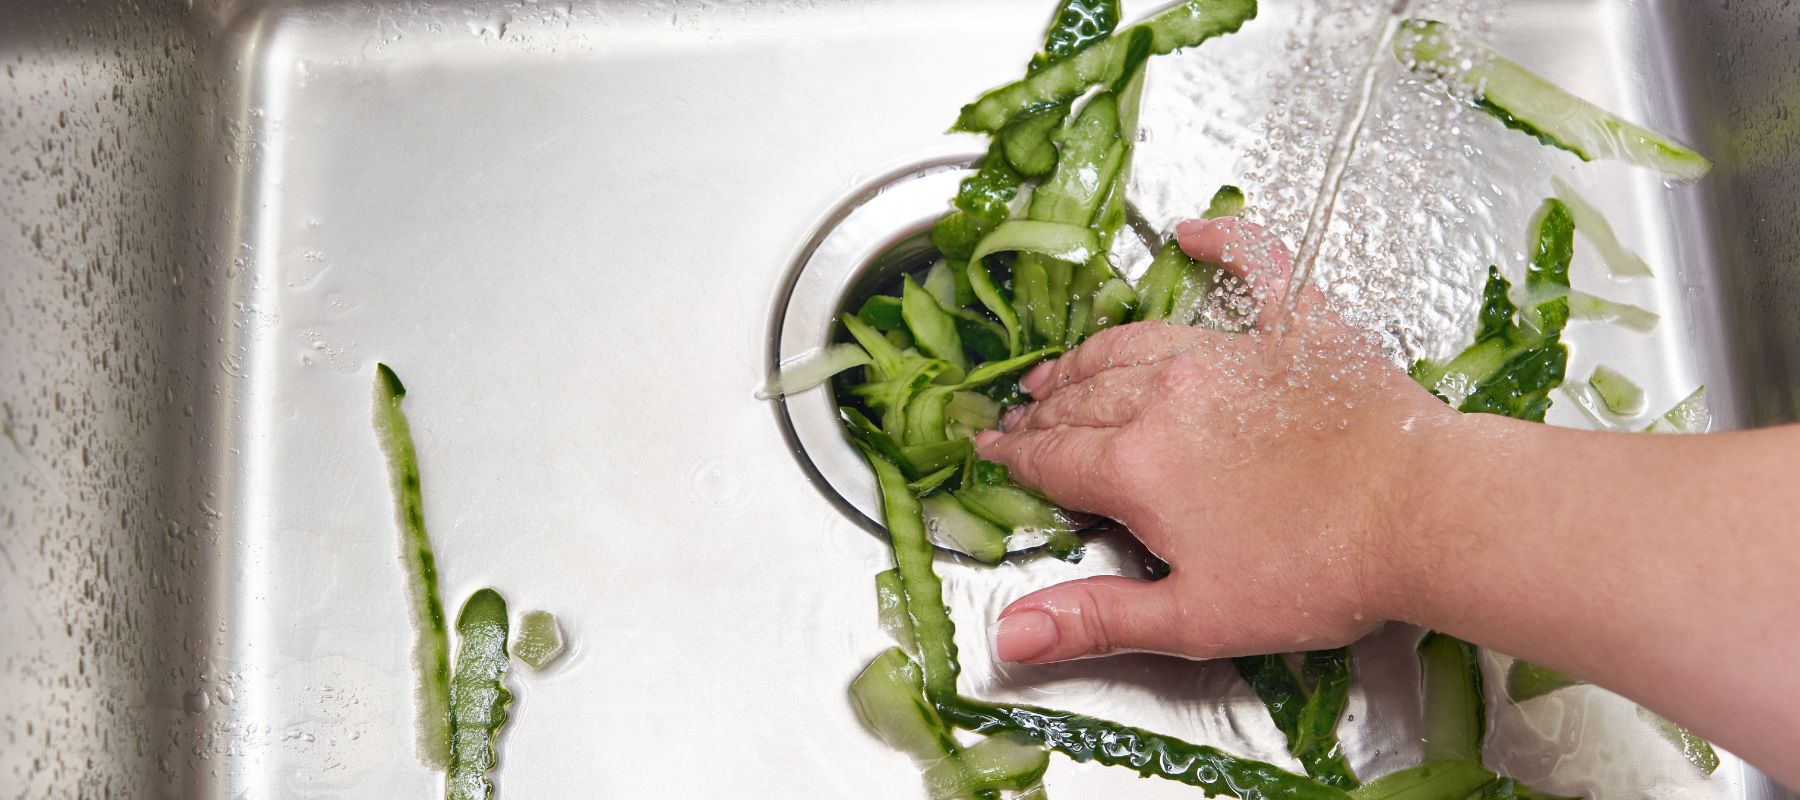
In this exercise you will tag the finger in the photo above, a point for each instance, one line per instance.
(1111, 399)
(1091, 617)
(1125, 346)
(1069, 465)
(1248, 251)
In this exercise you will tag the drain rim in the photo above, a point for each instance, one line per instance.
(863, 228)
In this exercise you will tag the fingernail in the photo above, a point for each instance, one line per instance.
(1191, 228)
(1013, 417)
(1024, 636)
(985, 440)
(1037, 377)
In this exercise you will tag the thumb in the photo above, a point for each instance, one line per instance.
(1091, 617)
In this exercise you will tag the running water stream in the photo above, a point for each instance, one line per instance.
(1331, 186)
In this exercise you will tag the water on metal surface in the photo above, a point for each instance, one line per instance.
(570, 227)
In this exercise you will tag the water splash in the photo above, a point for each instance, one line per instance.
(1349, 133)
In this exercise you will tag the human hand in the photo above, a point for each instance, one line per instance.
(1272, 484)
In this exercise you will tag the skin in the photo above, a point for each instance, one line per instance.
(1303, 499)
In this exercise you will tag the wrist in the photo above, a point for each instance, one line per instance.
(1443, 504)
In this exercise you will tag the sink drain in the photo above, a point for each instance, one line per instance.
(873, 237)
(861, 248)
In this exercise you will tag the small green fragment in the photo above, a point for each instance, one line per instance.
(1691, 415)
(1525, 680)
(478, 696)
(1696, 750)
(540, 640)
(1621, 395)
(1077, 25)
(1227, 202)
(1599, 309)
(1308, 722)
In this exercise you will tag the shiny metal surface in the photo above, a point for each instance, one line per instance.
(569, 227)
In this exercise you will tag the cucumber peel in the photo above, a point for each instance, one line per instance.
(1227, 202)
(1696, 750)
(1307, 717)
(431, 645)
(1586, 306)
(1527, 103)
(1186, 24)
(1084, 738)
(1525, 681)
(1620, 394)
(812, 369)
(1455, 707)
(1620, 260)
(1691, 415)
(478, 696)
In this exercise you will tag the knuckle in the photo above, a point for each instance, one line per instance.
(1173, 378)
(1126, 464)
(1091, 621)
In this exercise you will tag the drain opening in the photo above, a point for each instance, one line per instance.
(861, 250)
(863, 247)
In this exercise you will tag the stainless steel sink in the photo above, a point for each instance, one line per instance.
(572, 228)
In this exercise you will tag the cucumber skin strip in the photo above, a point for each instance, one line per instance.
(1309, 724)
(478, 696)
(1085, 738)
(1455, 704)
(813, 369)
(1060, 241)
(1619, 393)
(1526, 681)
(1621, 261)
(932, 628)
(1269, 677)
(989, 294)
(431, 650)
(1641, 146)
(1590, 307)
(1696, 750)
(1184, 25)
(1315, 741)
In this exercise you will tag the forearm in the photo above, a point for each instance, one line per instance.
(1663, 567)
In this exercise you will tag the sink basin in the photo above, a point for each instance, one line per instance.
(576, 231)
